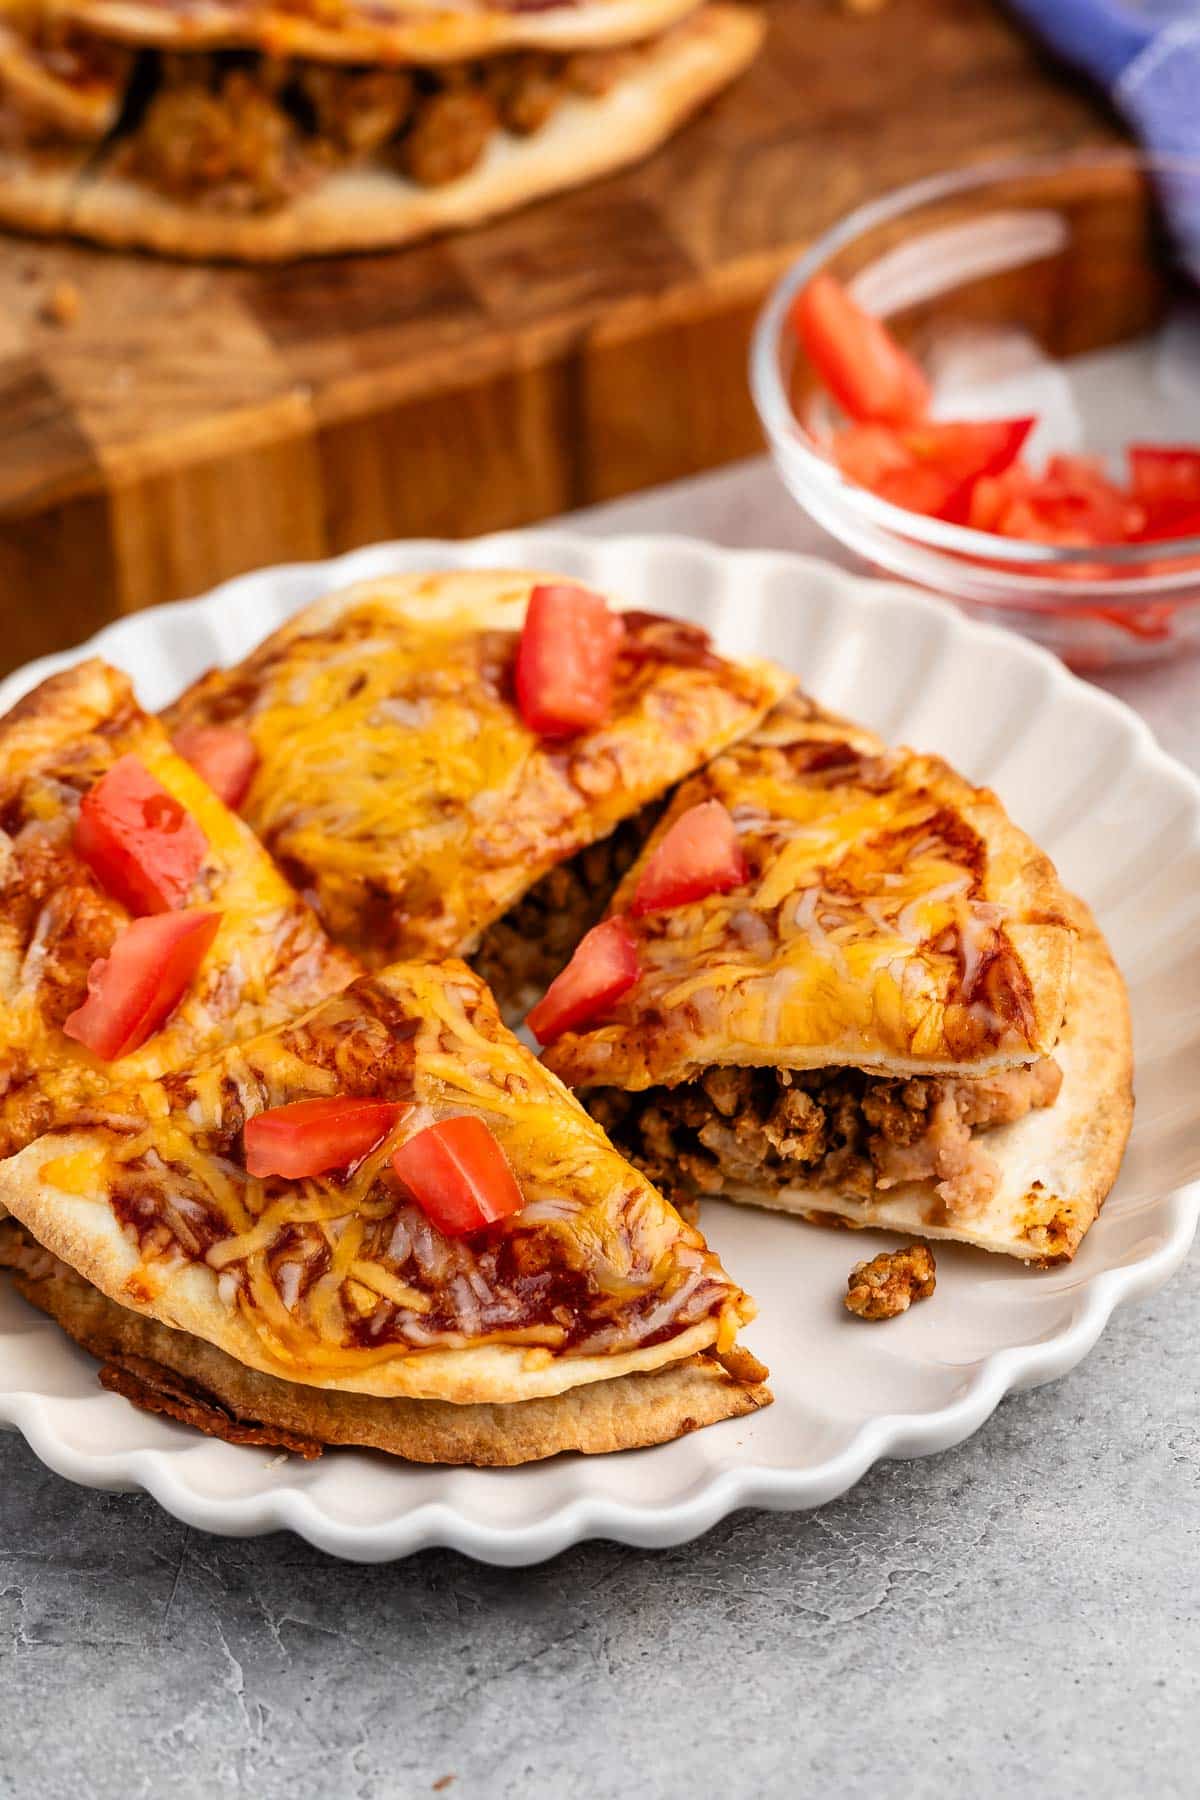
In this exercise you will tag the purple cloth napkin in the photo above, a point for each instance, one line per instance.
(1147, 54)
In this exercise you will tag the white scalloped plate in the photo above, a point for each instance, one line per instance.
(1076, 769)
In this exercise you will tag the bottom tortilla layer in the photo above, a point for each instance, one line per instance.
(170, 1372)
(37, 187)
(369, 205)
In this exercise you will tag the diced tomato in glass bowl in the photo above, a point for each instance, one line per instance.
(936, 379)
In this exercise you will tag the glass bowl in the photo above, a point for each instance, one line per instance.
(1048, 286)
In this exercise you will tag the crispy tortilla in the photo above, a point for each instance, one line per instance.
(370, 205)
(387, 31)
(340, 1282)
(38, 184)
(398, 785)
(183, 1378)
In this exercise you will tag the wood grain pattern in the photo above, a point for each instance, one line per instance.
(196, 422)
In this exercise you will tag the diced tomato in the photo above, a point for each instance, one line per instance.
(604, 966)
(142, 846)
(565, 660)
(856, 356)
(868, 453)
(1027, 519)
(993, 495)
(458, 1175)
(700, 855)
(224, 755)
(1077, 472)
(1165, 474)
(1162, 530)
(136, 987)
(966, 451)
(1074, 502)
(1166, 483)
(928, 491)
(310, 1136)
(930, 468)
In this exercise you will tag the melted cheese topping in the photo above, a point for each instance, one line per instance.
(269, 959)
(871, 930)
(399, 787)
(382, 749)
(337, 1273)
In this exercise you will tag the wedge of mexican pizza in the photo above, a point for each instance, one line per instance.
(385, 1224)
(264, 131)
(142, 925)
(840, 982)
(465, 762)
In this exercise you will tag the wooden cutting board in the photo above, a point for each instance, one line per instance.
(195, 422)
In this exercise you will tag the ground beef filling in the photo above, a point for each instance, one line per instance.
(520, 954)
(247, 134)
(837, 1128)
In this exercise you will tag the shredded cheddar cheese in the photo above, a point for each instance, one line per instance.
(397, 783)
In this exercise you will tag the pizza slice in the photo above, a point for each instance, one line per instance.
(386, 1224)
(464, 762)
(840, 982)
(142, 926)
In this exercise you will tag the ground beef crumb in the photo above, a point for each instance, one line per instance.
(223, 133)
(448, 135)
(526, 89)
(887, 1286)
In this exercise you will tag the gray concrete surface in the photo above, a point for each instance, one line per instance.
(1019, 1617)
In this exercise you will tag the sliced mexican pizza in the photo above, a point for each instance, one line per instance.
(265, 130)
(465, 762)
(840, 982)
(384, 1224)
(142, 926)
